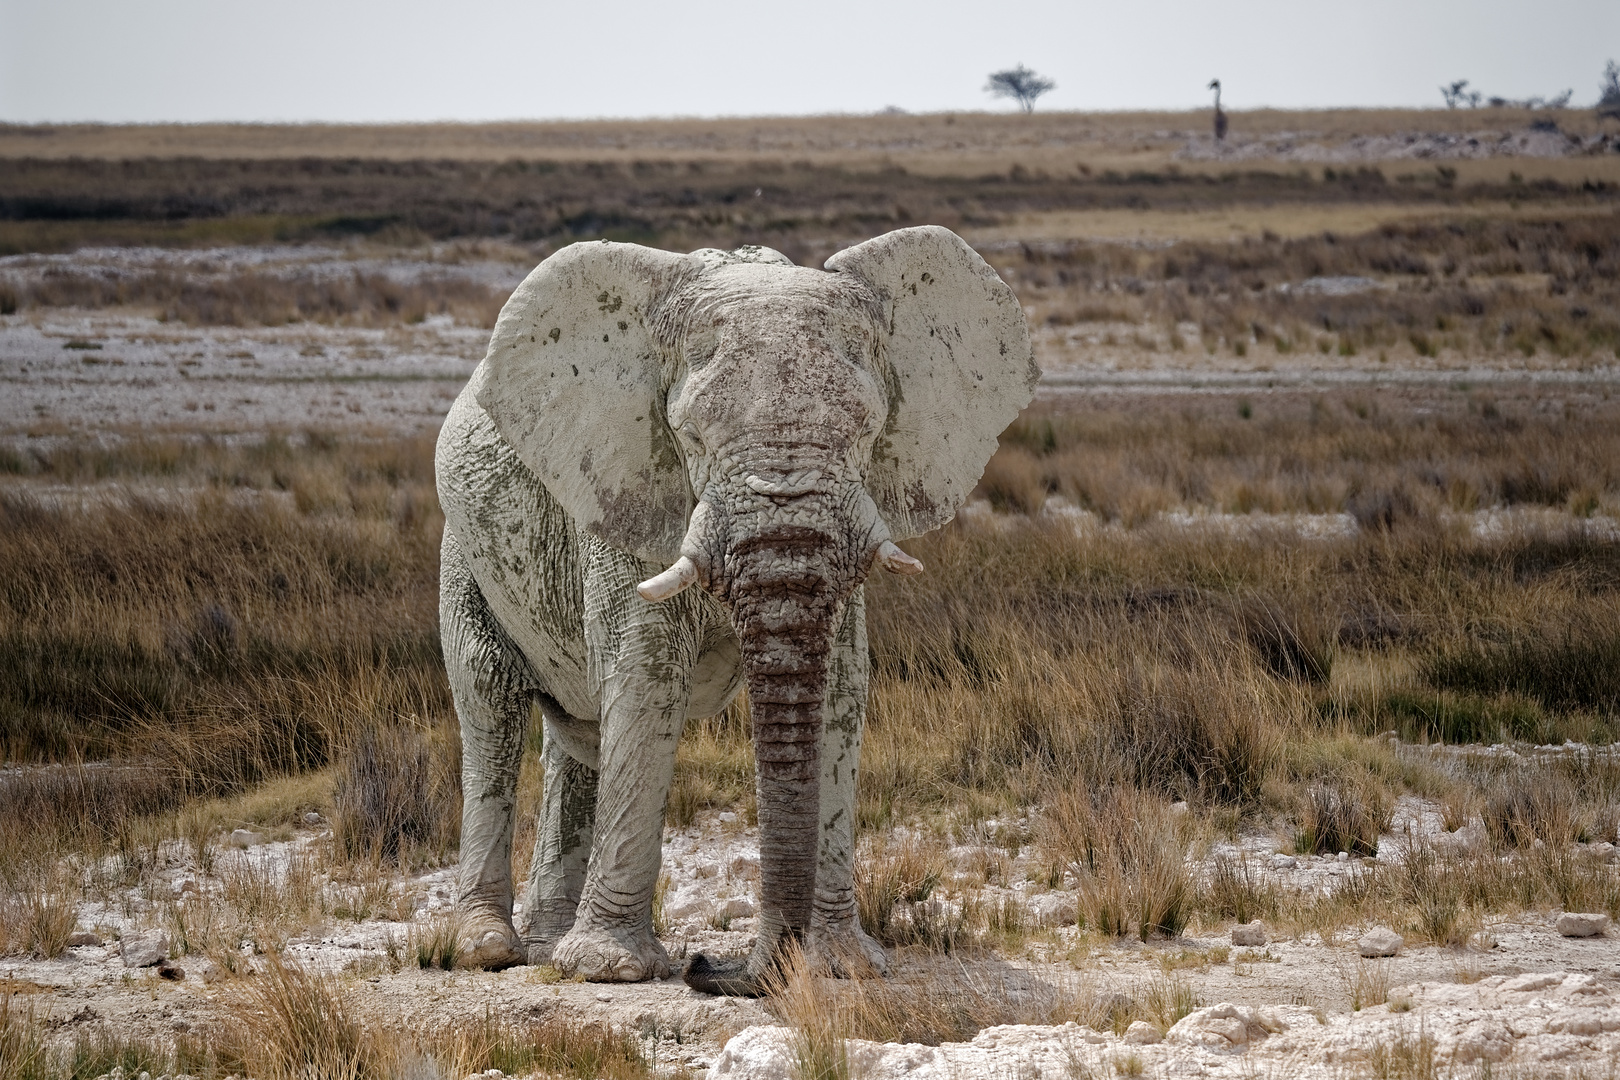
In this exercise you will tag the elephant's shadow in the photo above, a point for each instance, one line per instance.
(931, 997)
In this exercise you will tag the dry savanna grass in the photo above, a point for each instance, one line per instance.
(970, 141)
(292, 1023)
(253, 631)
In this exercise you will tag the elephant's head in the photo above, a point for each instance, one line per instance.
(767, 431)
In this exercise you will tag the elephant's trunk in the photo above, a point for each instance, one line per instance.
(784, 593)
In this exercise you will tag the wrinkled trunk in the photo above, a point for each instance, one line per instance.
(783, 601)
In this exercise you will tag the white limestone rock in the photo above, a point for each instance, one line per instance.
(1380, 941)
(1582, 924)
(1053, 909)
(736, 907)
(689, 904)
(144, 949)
(1223, 1027)
(1142, 1033)
(756, 1053)
(1252, 935)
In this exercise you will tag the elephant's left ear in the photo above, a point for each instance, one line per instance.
(574, 380)
(963, 369)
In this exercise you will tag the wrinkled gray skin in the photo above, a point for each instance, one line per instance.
(770, 430)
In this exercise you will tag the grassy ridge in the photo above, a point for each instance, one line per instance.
(800, 208)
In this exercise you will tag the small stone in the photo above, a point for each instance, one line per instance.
(1142, 1033)
(1283, 862)
(727, 817)
(604, 996)
(144, 950)
(1582, 924)
(688, 907)
(1380, 941)
(1344, 856)
(80, 938)
(244, 838)
(1250, 934)
(736, 908)
(1053, 909)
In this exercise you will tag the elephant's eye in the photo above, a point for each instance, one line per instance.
(689, 432)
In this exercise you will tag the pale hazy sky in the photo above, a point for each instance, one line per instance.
(193, 60)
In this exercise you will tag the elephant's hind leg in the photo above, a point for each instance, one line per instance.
(563, 847)
(493, 689)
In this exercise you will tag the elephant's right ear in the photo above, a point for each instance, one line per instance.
(574, 380)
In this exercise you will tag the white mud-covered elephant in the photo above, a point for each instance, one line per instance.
(763, 430)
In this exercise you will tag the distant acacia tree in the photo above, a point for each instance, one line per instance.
(1609, 91)
(1019, 83)
(1458, 94)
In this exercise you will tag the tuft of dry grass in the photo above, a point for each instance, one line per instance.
(24, 1052)
(38, 911)
(1343, 815)
(894, 884)
(1240, 891)
(1128, 856)
(437, 945)
(398, 790)
(299, 1024)
(558, 1046)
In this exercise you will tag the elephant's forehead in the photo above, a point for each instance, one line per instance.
(766, 295)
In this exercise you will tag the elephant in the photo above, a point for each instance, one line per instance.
(645, 421)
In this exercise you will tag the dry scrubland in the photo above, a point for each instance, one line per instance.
(238, 629)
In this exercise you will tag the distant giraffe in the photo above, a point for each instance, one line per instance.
(1220, 117)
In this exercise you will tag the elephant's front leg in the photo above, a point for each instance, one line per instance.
(835, 929)
(641, 656)
(491, 684)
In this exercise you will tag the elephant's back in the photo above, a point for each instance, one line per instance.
(522, 547)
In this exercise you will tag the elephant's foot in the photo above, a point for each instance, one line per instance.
(845, 951)
(487, 940)
(539, 950)
(542, 928)
(727, 976)
(604, 954)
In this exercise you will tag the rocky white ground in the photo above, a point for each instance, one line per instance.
(1281, 1008)
(66, 370)
(1545, 1022)
(1542, 140)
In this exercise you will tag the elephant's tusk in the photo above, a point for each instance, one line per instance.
(896, 561)
(671, 581)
